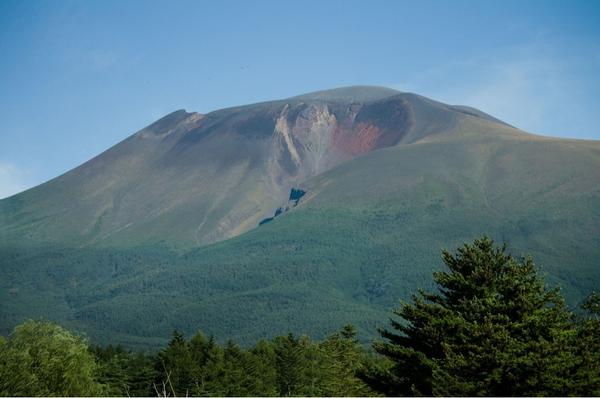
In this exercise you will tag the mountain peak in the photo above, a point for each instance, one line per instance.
(350, 93)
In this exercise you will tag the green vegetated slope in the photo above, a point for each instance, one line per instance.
(366, 233)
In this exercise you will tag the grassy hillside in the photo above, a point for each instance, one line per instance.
(366, 234)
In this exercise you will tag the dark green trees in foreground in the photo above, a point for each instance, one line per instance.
(492, 329)
(285, 366)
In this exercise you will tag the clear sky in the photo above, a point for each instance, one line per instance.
(76, 77)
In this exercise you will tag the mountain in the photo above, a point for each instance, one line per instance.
(192, 179)
(300, 214)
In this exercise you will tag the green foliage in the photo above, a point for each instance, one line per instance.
(123, 372)
(312, 268)
(588, 349)
(493, 329)
(285, 366)
(43, 359)
(290, 361)
(344, 359)
(177, 364)
(592, 304)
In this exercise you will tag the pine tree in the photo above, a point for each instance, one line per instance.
(238, 377)
(492, 329)
(209, 358)
(289, 364)
(262, 363)
(176, 368)
(588, 349)
(343, 357)
(311, 372)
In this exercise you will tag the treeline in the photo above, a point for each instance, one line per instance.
(493, 328)
(283, 366)
(44, 359)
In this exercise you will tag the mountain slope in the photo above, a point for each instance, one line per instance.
(367, 231)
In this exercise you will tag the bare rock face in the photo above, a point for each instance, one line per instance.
(310, 138)
(193, 179)
(302, 144)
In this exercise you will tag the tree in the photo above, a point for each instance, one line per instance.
(210, 365)
(343, 358)
(290, 364)
(492, 329)
(176, 368)
(43, 359)
(588, 349)
(262, 363)
(238, 379)
(124, 373)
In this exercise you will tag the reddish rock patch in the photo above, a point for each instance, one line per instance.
(357, 139)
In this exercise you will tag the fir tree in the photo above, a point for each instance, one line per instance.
(176, 368)
(344, 358)
(493, 329)
(289, 364)
(262, 363)
(588, 349)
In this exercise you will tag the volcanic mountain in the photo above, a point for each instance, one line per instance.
(193, 179)
(361, 188)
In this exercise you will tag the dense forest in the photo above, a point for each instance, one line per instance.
(492, 328)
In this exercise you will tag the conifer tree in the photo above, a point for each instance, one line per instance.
(238, 377)
(492, 329)
(588, 349)
(311, 368)
(262, 363)
(176, 368)
(289, 364)
(210, 366)
(343, 358)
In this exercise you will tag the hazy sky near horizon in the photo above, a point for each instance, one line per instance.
(76, 77)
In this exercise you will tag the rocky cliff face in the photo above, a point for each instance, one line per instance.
(311, 137)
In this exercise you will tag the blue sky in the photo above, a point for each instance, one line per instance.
(76, 77)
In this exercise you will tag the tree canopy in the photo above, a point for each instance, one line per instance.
(493, 328)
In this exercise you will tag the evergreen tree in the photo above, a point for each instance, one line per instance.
(311, 368)
(124, 373)
(112, 369)
(210, 366)
(289, 364)
(262, 363)
(344, 358)
(176, 368)
(588, 349)
(238, 378)
(493, 329)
